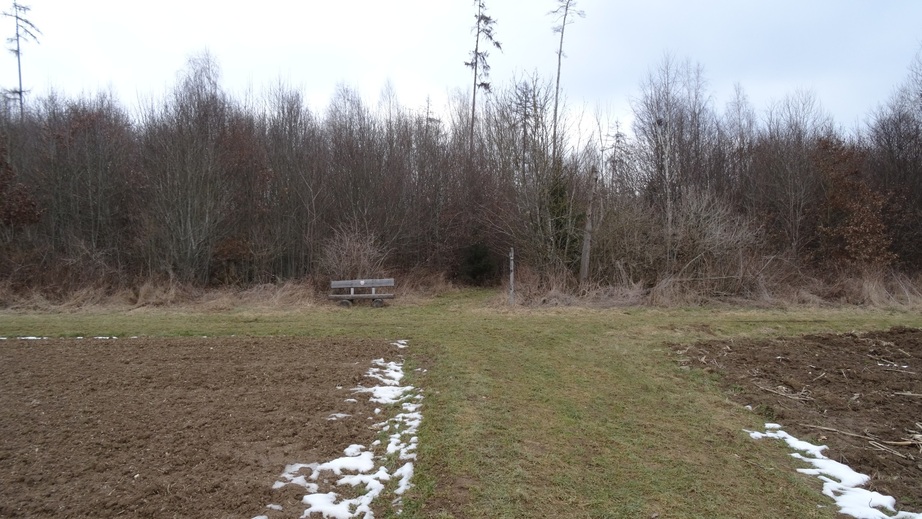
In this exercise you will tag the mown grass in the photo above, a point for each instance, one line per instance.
(549, 412)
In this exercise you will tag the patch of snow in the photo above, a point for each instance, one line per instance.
(400, 343)
(840, 482)
(385, 394)
(406, 474)
(277, 508)
(291, 477)
(358, 462)
(337, 416)
(326, 504)
(354, 450)
(388, 373)
(352, 461)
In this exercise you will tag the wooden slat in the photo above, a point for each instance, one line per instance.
(362, 283)
(361, 296)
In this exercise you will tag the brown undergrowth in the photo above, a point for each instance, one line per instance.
(874, 289)
(410, 288)
(869, 289)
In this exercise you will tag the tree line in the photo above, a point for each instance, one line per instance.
(207, 189)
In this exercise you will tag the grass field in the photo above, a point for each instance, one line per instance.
(547, 412)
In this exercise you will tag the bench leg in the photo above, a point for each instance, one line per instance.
(377, 303)
(346, 303)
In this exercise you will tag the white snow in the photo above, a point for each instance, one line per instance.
(352, 462)
(292, 477)
(840, 482)
(385, 394)
(406, 474)
(388, 373)
(359, 468)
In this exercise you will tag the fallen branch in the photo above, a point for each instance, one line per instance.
(801, 397)
(907, 393)
(877, 443)
(900, 371)
(881, 359)
(830, 429)
(904, 443)
(880, 447)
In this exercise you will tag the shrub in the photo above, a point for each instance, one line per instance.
(352, 254)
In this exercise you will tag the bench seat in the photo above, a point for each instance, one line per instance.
(361, 289)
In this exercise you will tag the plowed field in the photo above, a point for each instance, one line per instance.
(858, 393)
(186, 427)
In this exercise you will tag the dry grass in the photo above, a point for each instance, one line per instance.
(160, 294)
(872, 289)
(421, 286)
(412, 288)
(869, 289)
(533, 288)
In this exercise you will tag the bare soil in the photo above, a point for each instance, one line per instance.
(858, 393)
(186, 427)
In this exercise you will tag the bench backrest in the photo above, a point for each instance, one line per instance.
(362, 283)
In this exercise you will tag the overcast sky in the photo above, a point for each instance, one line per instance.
(851, 53)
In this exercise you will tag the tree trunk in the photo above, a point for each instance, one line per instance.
(587, 239)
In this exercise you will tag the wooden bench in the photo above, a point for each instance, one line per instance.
(361, 289)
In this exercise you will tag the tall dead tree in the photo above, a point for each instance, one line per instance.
(563, 12)
(25, 31)
(483, 31)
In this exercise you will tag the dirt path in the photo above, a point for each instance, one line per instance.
(860, 394)
(172, 427)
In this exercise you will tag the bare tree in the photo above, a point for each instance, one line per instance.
(181, 156)
(563, 11)
(894, 166)
(25, 31)
(739, 136)
(605, 145)
(86, 159)
(786, 184)
(658, 124)
(297, 160)
(677, 129)
(483, 31)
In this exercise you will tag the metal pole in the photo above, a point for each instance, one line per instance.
(511, 276)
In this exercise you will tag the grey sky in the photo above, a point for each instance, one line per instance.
(851, 53)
